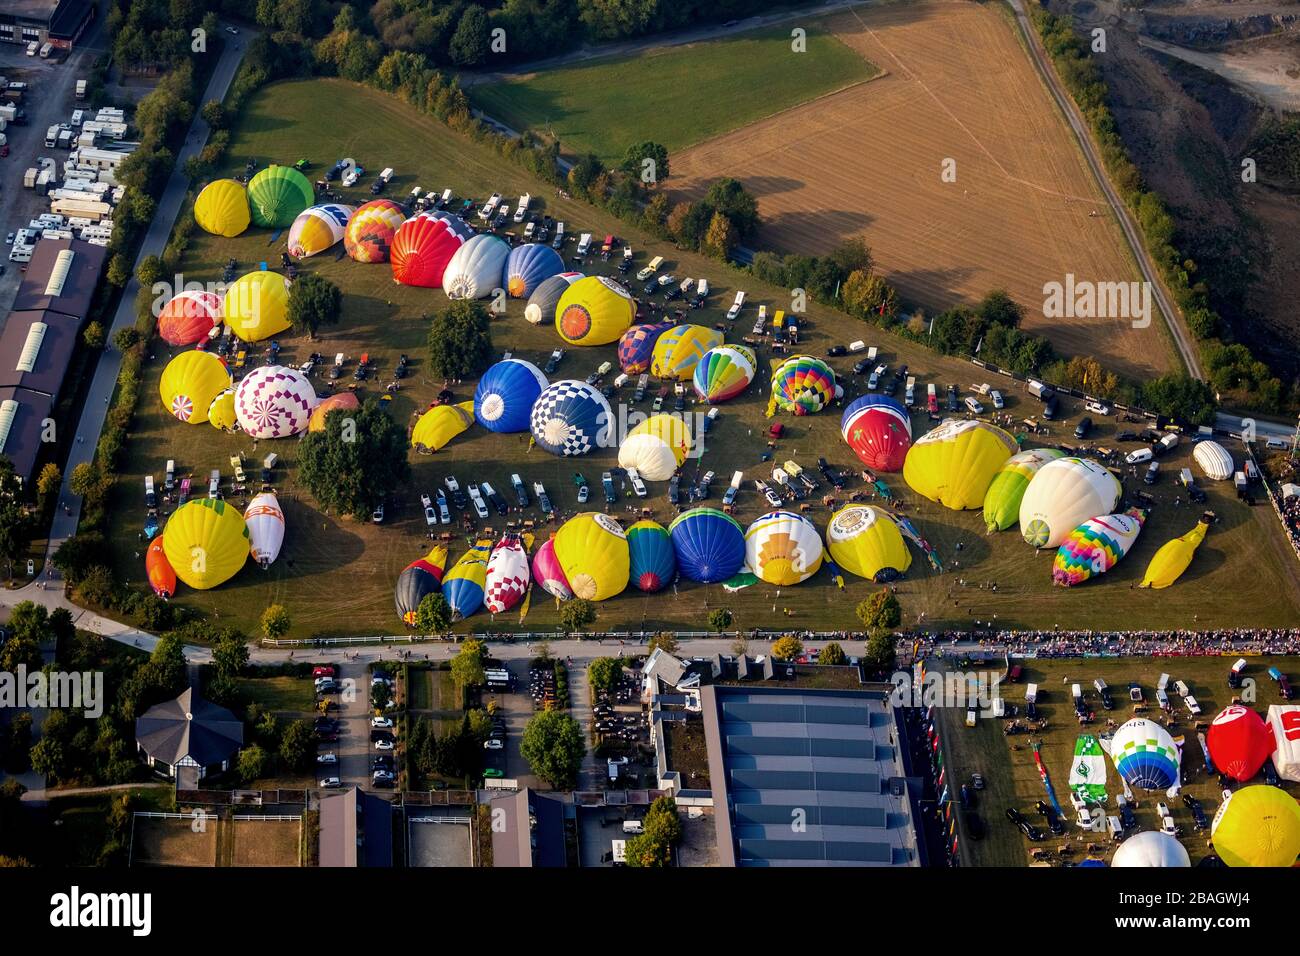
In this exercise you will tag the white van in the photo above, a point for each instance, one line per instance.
(858, 346)
(1182, 688)
(46, 50)
(635, 827)
(33, 47)
(1137, 457)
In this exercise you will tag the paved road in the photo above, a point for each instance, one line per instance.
(1183, 339)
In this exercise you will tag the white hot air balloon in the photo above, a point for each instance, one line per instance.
(1151, 848)
(265, 522)
(274, 402)
(1062, 495)
(1214, 460)
(656, 448)
(476, 268)
(783, 548)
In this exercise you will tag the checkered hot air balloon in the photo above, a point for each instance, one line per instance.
(507, 575)
(570, 418)
(274, 402)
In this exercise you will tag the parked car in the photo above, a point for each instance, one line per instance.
(331, 783)
(327, 759)
(383, 723)
(1084, 427)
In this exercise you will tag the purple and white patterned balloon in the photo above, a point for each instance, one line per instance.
(274, 402)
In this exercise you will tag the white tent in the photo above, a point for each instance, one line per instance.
(1291, 490)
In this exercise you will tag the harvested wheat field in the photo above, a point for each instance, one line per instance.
(172, 841)
(867, 161)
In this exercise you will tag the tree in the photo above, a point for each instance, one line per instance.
(313, 301)
(469, 44)
(78, 554)
(16, 528)
(252, 763)
(787, 648)
(230, 654)
(635, 166)
(661, 830)
(275, 622)
(93, 336)
(126, 338)
(467, 668)
(460, 340)
(880, 612)
(553, 746)
(1181, 397)
(298, 746)
(832, 653)
(664, 641)
(119, 270)
(433, 616)
(49, 480)
(729, 197)
(85, 480)
(576, 614)
(149, 271)
(214, 114)
(720, 619)
(880, 652)
(358, 458)
(604, 673)
(720, 238)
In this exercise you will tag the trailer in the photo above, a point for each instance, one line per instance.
(736, 306)
(82, 208)
(584, 244)
(522, 209)
(81, 89)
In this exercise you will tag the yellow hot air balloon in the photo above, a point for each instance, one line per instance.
(955, 463)
(594, 311)
(1168, 564)
(656, 448)
(257, 305)
(865, 541)
(190, 382)
(221, 413)
(1257, 826)
(222, 208)
(680, 349)
(206, 542)
(592, 549)
(440, 425)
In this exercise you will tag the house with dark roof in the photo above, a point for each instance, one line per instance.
(36, 349)
(189, 732)
(61, 277)
(26, 427)
(528, 829)
(356, 829)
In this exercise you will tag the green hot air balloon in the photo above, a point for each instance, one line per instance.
(276, 195)
(1002, 502)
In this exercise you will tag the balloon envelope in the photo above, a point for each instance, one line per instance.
(1257, 826)
(370, 232)
(189, 317)
(190, 382)
(678, 350)
(570, 418)
(710, 546)
(541, 304)
(1214, 460)
(475, 268)
(159, 570)
(1239, 742)
(1171, 560)
(652, 561)
(221, 413)
(1145, 755)
(723, 372)
(783, 548)
(548, 573)
(222, 208)
(265, 521)
(422, 248)
(656, 448)
(463, 586)
(1096, 546)
(506, 394)
(417, 581)
(339, 401)
(206, 542)
(636, 346)
(277, 194)
(274, 401)
(530, 265)
(1002, 502)
(879, 430)
(1063, 495)
(955, 463)
(594, 311)
(317, 228)
(803, 384)
(257, 305)
(592, 549)
(865, 541)
(440, 424)
(507, 575)
(1151, 848)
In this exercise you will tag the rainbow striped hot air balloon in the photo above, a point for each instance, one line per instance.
(369, 235)
(548, 573)
(1171, 560)
(650, 549)
(724, 372)
(1096, 546)
(464, 585)
(636, 346)
(879, 430)
(417, 581)
(802, 385)
(507, 575)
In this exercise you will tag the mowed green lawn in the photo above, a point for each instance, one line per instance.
(336, 575)
(678, 96)
(1012, 779)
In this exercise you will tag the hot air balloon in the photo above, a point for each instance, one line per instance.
(1284, 722)
(441, 424)
(783, 548)
(507, 575)
(339, 401)
(865, 541)
(652, 561)
(722, 373)
(222, 208)
(274, 401)
(476, 267)
(265, 521)
(1151, 848)
(529, 266)
(541, 304)
(1145, 755)
(594, 311)
(709, 545)
(1239, 742)
(955, 463)
(506, 394)
(417, 581)
(636, 346)
(548, 573)
(1214, 460)
(277, 194)
(206, 542)
(1257, 826)
(317, 228)
(1002, 503)
(257, 305)
(879, 430)
(1063, 495)
(423, 246)
(1096, 546)
(221, 413)
(159, 570)
(370, 232)
(190, 382)
(570, 418)
(656, 448)
(189, 317)
(592, 550)
(1168, 564)
(464, 583)
(679, 350)
(802, 385)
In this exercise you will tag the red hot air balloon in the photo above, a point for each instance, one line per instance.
(189, 317)
(423, 246)
(1239, 742)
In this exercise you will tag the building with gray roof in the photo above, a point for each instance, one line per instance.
(189, 732)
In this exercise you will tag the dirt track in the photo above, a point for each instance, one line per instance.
(1023, 211)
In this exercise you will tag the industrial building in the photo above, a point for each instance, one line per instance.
(59, 23)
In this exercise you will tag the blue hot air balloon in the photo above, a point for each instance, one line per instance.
(529, 266)
(653, 563)
(505, 395)
(571, 418)
(709, 545)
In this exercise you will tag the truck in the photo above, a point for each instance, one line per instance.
(29, 178)
(736, 306)
(584, 244)
(522, 209)
(909, 397)
(52, 136)
(46, 50)
(81, 89)
(1040, 390)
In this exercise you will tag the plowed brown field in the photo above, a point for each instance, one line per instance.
(1024, 209)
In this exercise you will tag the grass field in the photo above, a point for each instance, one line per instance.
(432, 693)
(676, 96)
(1007, 763)
(174, 842)
(1022, 210)
(266, 842)
(335, 575)
(281, 695)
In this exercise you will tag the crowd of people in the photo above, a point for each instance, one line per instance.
(1289, 508)
(1067, 643)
